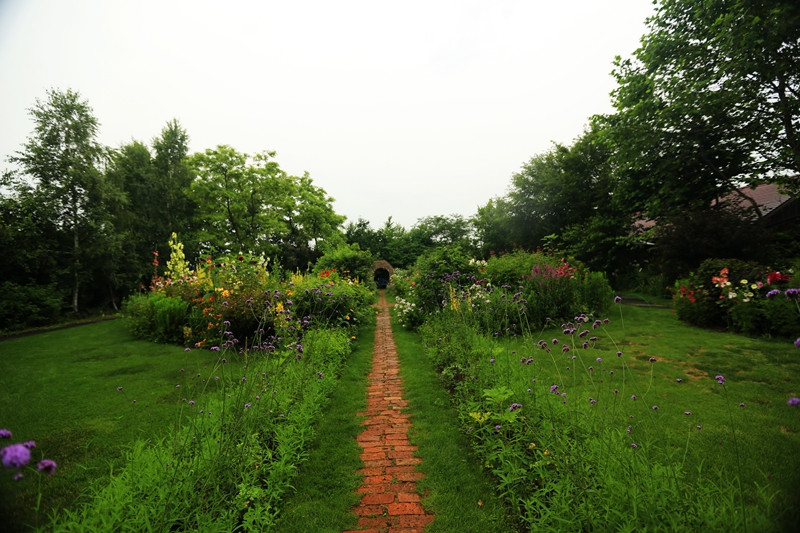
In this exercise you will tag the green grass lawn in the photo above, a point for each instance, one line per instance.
(59, 389)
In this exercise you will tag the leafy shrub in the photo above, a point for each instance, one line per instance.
(510, 269)
(170, 318)
(436, 270)
(595, 293)
(350, 261)
(29, 305)
(156, 317)
(502, 295)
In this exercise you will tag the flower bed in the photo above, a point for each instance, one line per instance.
(743, 297)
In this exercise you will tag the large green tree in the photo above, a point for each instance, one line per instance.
(564, 187)
(710, 100)
(172, 180)
(59, 168)
(155, 183)
(249, 204)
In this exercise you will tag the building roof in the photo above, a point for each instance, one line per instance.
(766, 196)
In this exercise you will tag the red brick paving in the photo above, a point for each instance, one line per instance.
(390, 502)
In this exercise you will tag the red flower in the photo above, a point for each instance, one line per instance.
(775, 277)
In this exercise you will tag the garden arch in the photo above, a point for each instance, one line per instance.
(381, 272)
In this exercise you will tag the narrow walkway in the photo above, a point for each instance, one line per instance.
(390, 503)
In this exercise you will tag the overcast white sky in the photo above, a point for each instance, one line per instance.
(409, 109)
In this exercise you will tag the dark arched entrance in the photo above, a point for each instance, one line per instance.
(382, 273)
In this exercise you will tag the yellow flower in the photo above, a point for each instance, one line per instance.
(480, 417)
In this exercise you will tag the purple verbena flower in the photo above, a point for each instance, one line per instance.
(5, 433)
(773, 292)
(617, 299)
(514, 407)
(720, 379)
(592, 401)
(652, 359)
(634, 445)
(15, 456)
(31, 444)
(794, 401)
(47, 465)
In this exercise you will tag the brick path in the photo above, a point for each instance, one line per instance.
(390, 503)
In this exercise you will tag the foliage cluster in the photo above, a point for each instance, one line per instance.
(234, 300)
(350, 260)
(502, 295)
(401, 247)
(743, 296)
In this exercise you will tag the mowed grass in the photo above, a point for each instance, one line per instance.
(59, 389)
